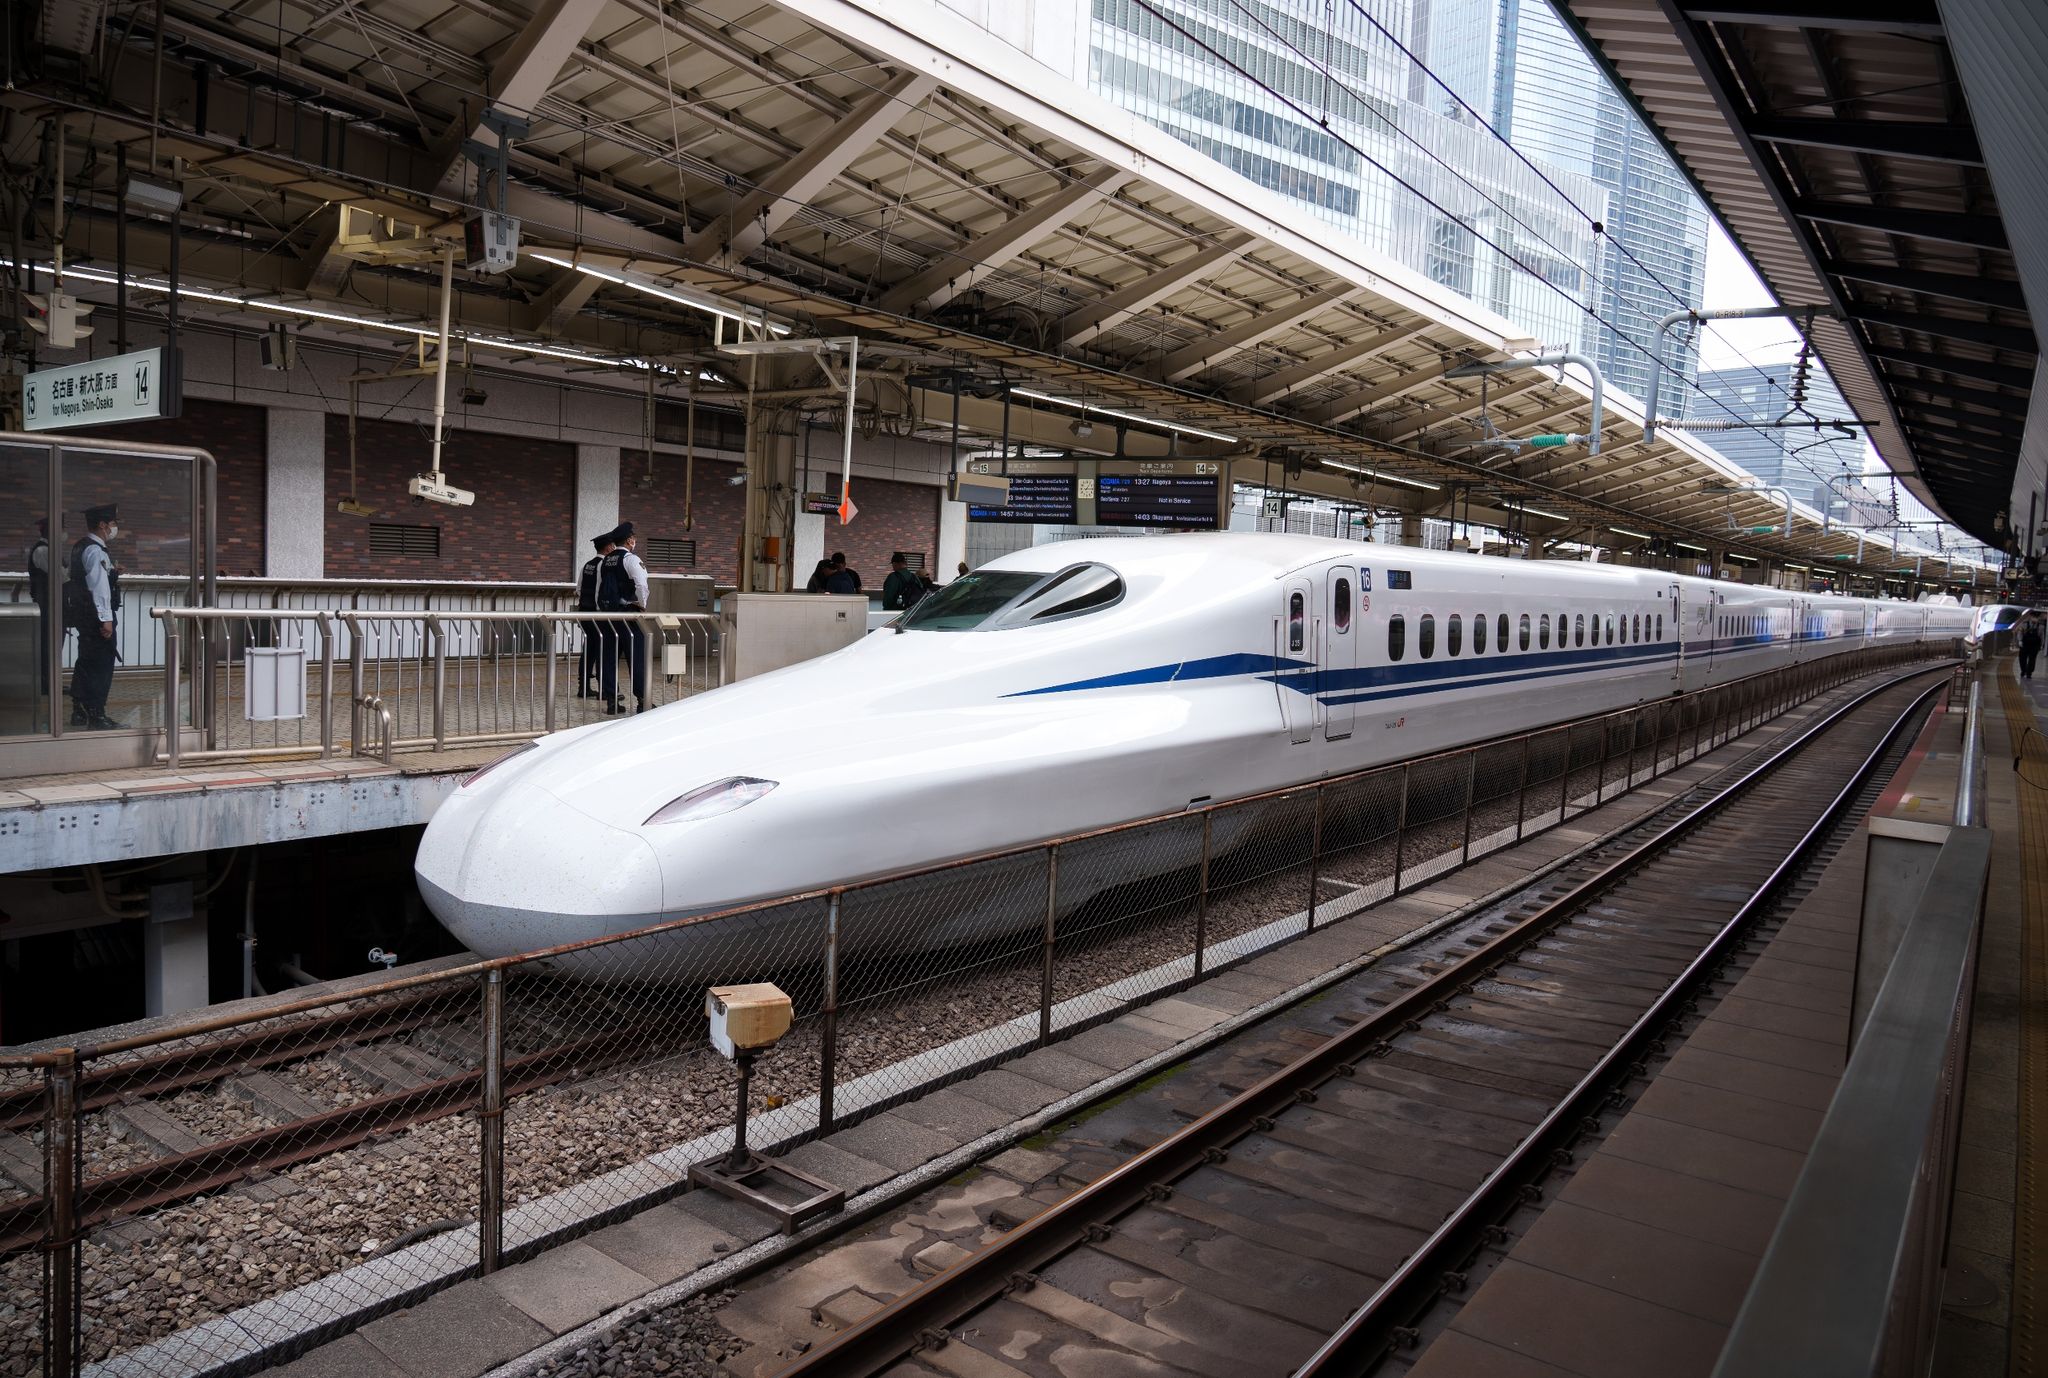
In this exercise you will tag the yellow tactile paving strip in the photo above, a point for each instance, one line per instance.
(2029, 1352)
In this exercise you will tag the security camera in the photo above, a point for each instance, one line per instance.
(434, 488)
(1083, 428)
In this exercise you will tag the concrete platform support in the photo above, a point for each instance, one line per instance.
(1411, 529)
(952, 541)
(174, 950)
(597, 498)
(766, 565)
(295, 495)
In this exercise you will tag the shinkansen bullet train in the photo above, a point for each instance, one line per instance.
(1071, 686)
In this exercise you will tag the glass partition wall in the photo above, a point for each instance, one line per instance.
(129, 527)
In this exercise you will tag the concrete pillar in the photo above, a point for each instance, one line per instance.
(952, 541)
(174, 950)
(597, 499)
(1411, 529)
(295, 495)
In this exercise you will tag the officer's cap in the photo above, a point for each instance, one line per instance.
(95, 515)
(600, 542)
(623, 530)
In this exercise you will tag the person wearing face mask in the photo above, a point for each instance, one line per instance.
(622, 587)
(92, 599)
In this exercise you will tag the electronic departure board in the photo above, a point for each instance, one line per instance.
(1160, 500)
(1046, 498)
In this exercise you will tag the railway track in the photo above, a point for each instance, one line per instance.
(1321, 1212)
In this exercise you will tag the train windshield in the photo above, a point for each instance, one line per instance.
(992, 599)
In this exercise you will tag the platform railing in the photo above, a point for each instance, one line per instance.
(1852, 1281)
(262, 684)
(521, 1101)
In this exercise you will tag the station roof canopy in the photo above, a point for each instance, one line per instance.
(886, 171)
(1837, 141)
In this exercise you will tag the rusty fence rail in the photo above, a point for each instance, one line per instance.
(176, 1200)
(258, 683)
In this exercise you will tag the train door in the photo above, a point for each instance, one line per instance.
(1677, 602)
(1339, 650)
(1294, 642)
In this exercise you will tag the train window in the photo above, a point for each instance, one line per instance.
(1525, 632)
(1297, 621)
(1425, 640)
(1397, 637)
(1579, 630)
(1610, 629)
(1635, 626)
(992, 600)
(1660, 626)
(1455, 638)
(1340, 605)
(1479, 633)
(1543, 633)
(1500, 633)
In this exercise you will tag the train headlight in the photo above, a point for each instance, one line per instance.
(709, 801)
(490, 766)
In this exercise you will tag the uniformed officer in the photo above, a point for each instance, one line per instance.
(92, 600)
(622, 587)
(586, 601)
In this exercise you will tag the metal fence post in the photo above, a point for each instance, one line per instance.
(1315, 858)
(60, 1229)
(440, 640)
(1564, 777)
(173, 709)
(1606, 754)
(1052, 906)
(490, 1206)
(1522, 788)
(828, 1019)
(1471, 784)
(1401, 832)
(1202, 898)
(326, 624)
(548, 643)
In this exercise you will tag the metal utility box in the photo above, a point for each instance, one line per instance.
(684, 593)
(275, 683)
(766, 631)
(746, 1017)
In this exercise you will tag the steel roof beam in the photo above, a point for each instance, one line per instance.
(1278, 384)
(1927, 140)
(1917, 18)
(1436, 416)
(791, 187)
(2016, 339)
(1952, 286)
(1107, 312)
(954, 273)
(1941, 227)
(1264, 325)
(524, 71)
(2003, 375)
(2010, 427)
(1345, 408)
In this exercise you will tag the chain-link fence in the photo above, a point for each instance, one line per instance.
(231, 1192)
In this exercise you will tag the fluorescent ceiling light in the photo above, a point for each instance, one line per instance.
(669, 291)
(1624, 531)
(309, 312)
(1376, 474)
(1534, 511)
(1684, 546)
(1122, 415)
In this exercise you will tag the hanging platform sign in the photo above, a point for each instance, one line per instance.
(99, 392)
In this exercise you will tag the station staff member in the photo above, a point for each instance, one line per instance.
(586, 601)
(92, 598)
(622, 587)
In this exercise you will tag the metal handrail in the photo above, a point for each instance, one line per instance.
(1852, 1275)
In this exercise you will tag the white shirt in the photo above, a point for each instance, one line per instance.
(95, 561)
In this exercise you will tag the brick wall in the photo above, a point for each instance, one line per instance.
(892, 517)
(520, 527)
(154, 496)
(718, 509)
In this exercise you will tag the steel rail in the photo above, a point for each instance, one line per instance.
(920, 1318)
(1370, 1331)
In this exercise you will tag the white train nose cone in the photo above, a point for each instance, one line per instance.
(519, 870)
